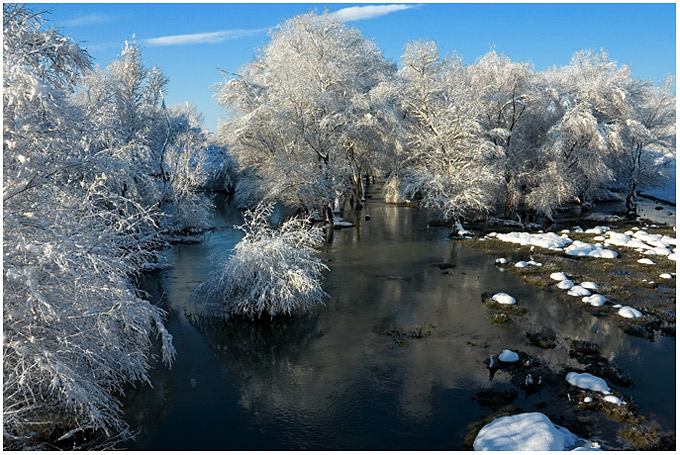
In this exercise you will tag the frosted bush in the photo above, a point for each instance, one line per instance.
(272, 271)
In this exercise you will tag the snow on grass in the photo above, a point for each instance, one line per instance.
(523, 432)
(587, 381)
(558, 276)
(549, 240)
(598, 230)
(504, 298)
(508, 356)
(578, 248)
(578, 291)
(629, 312)
(595, 299)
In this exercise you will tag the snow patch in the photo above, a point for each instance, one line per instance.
(508, 356)
(578, 291)
(558, 276)
(646, 261)
(578, 248)
(504, 298)
(629, 312)
(565, 284)
(590, 285)
(595, 300)
(614, 400)
(521, 432)
(587, 382)
(549, 240)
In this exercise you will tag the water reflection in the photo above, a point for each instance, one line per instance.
(391, 362)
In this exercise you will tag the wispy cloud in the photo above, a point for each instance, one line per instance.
(88, 19)
(356, 13)
(200, 38)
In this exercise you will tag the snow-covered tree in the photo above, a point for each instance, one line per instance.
(506, 94)
(75, 329)
(648, 140)
(587, 133)
(302, 114)
(445, 158)
(272, 272)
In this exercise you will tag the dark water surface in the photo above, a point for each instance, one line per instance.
(391, 362)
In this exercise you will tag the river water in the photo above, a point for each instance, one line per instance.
(391, 362)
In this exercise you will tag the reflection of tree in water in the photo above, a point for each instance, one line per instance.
(264, 358)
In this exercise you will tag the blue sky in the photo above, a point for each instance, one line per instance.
(189, 41)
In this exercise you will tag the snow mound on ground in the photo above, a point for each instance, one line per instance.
(508, 356)
(646, 261)
(595, 300)
(504, 298)
(578, 248)
(598, 230)
(549, 240)
(588, 382)
(558, 276)
(528, 431)
(590, 285)
(614, 400)
(521, 264)
(565, 284)
(578, 291)
(629, 312)
(667, 276)
(501, 261)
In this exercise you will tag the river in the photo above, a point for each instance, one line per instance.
(391, 362)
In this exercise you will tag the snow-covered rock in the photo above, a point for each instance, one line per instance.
(590, 285)
(666, 276)
(523, 432)
(504, 298)
(565, 284)
(521, 264)
(595, 299)
(558, 276)
(588, 400)
(534, 263)
(501, 261)
(629, 312)
(646, 261)
(578, 291)
(587, 381)
(508, 356)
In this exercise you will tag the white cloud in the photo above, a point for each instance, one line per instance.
(88, 19)
(356, 13)
(199, 38)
